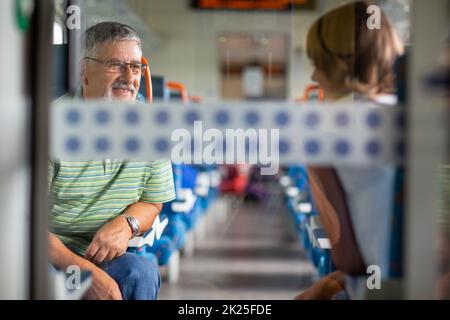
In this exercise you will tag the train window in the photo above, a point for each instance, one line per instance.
(58, 34)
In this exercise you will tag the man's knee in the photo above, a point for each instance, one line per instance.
(140, 278)
(146, 274)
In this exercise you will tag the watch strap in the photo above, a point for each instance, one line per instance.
(133, 223)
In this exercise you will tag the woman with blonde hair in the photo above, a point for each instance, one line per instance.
(349, 57)
(353, 62)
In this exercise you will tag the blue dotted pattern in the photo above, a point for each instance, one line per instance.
(132, 145)
(312, 147)
(132, 117)
(340, 149)
(374, 120)
(222, 118)
(102, 117)
(285, 147)
(102, 144)
(373, 148)
(342, 119)
(162, 145)
(312, 120)
(191, 116)
(282, 119)
(73, 117)
(73, 144)
(252, 118)
(162, 117)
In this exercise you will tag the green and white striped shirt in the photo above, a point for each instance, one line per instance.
(86, 195)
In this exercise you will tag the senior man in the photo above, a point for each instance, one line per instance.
(98, 206)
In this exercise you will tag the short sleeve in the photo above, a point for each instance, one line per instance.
(370, 197)
(159, 188)
(52, 169)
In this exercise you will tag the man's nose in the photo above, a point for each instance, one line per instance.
(127, 74)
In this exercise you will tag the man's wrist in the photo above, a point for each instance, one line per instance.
(133, 223)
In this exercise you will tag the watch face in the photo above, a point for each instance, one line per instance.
(133, 224)
(135, 227)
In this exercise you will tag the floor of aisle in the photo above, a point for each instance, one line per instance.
(251, 255)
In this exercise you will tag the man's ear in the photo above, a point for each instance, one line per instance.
(83, 77)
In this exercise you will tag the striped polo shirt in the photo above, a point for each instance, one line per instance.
(86, 195)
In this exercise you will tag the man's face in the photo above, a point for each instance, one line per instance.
(99, 81)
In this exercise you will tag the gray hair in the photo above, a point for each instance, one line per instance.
(108, 32)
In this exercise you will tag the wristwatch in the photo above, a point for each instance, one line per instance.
(133, 223)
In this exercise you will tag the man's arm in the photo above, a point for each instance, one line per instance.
(145, 213)
(111, 240)
(103, 286)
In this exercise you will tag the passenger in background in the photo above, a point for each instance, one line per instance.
(98, 206)
(353, 64)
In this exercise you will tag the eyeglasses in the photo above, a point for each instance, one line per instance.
(115, 66)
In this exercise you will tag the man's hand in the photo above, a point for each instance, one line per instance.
(110, 241)
(103, 287)
(324, 289)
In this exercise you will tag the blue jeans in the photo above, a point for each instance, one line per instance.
(138, 278)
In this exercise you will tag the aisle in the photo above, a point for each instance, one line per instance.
(250, 256)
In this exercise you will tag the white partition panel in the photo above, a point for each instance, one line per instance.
(14, 170)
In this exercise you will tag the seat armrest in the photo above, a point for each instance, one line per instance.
(185, 202)
(304, 207)
(216, 179)
(181, 206)
(149, 237)
(202, 184)
(285, 181)
(292, 192)
(66, 286)
(321, 239)
(317, 233)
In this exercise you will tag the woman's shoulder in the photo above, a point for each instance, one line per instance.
(384, 99)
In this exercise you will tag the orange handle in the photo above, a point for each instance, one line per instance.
(148, 80)
(309, 89)
(312, 88)
(196, 99)
(181, 88)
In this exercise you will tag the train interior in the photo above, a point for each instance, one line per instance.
(294, 196)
